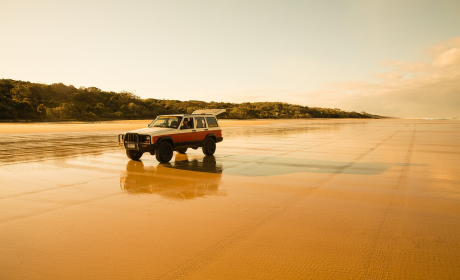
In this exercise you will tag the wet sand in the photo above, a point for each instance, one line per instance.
(108, 126)
(297, 199)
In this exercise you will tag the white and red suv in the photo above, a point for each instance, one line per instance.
(168, 133)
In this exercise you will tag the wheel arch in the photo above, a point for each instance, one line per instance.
(167, 139)
(211, 135)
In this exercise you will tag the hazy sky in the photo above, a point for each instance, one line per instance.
(399, 58)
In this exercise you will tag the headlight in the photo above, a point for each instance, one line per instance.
(148, 138)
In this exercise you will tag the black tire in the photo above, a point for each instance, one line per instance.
(182, 150)
(164, 152)
(209, 146)
(133, 154)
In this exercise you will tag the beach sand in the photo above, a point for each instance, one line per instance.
(280, 199)
(108, 126)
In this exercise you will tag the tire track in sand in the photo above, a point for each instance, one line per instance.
(206, 258)
(229, 167)
(261, 160)
(61, 208)
(386, 241)
(52, 188)
(68, 205)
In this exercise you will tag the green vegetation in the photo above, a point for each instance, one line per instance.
(21, 100)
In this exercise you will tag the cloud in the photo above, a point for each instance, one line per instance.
(448, 58)
(410, 89)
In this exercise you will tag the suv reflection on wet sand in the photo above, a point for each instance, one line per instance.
(168, 133)
(184, 179)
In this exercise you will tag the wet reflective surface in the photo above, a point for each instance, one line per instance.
(163, 179)
(279, 200)
(35, 147)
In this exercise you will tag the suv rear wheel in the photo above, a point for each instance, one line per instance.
(164, 152)
(209, 146)
(134, 155)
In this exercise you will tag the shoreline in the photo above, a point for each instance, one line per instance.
(126, 125)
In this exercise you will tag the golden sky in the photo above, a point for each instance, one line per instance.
(397, 58)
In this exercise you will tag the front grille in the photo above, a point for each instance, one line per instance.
(143, 138)
(131, 137)
(136, 138)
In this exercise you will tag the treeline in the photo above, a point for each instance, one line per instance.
(21, 100)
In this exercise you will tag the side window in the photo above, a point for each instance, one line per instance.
(200, 122)
(175, 122)
(212, 122)
(187, 123)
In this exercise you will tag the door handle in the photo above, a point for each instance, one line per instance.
(206, 129)
(194, 130)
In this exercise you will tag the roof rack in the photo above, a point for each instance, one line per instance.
(214, 112)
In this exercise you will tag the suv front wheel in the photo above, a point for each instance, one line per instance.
(164, 152)
(209, 146)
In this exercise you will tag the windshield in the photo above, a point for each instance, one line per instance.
(166, 121)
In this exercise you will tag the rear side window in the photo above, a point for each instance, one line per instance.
(200, 122)
(212, 122)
